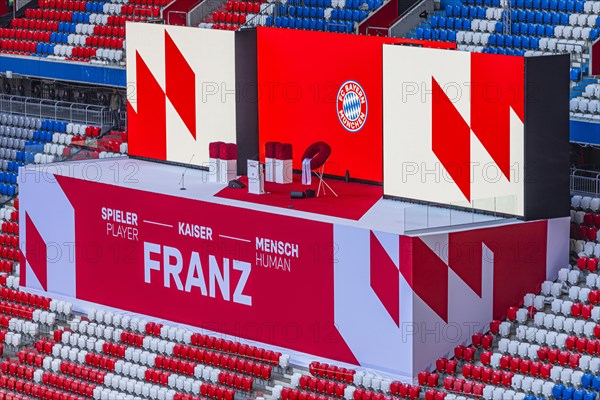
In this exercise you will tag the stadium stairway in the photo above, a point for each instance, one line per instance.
(175, 13)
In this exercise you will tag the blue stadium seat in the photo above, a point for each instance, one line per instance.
(557, 391)
(586, 380)
(449, 10)
(452, 36)
(564, 19)
(520, 3)
(570, 6)
(562, 5)
(531, 30)
(433, 21)
(444, 35)
(530, 16)
(508, 40)
(419, 33)
(540, 30)
(516, 28)
(492, 39)
(579, 6)
(458, 24)
(538, 17)
(466, 24)
(305, 24)
(590, 396)
(427, 34)
(500, 40)
(547, 18)
(534, 43)
(579, 394)
(499, 27)
(525, 42)
(517, 41)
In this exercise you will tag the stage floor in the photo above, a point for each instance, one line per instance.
(358, 205)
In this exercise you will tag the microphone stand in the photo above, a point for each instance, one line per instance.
(181, 181)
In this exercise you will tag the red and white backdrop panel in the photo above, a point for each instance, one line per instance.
(319, 86)
(454, 128)
(182, 93)
(333, 291)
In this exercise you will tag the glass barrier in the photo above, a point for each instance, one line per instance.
(427, 216)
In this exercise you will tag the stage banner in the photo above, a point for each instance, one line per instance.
(321, 86)
(465, 129)
(182, 93)
(337, 291)
(245, 273)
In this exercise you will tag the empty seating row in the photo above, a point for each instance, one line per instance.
(312, 24)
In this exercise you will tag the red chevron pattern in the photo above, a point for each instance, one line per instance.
(36, 252)
(451, 139)
(385, 279)
(151, 116)
(496, 87)
(181, 84)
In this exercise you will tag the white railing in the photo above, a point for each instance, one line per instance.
(53, 109)
(584, 182)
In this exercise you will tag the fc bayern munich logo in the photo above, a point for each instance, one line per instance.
(352, 107)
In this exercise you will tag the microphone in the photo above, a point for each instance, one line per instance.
(181, 181)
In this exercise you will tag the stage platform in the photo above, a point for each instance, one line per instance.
(357, 205)
(383, 284)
